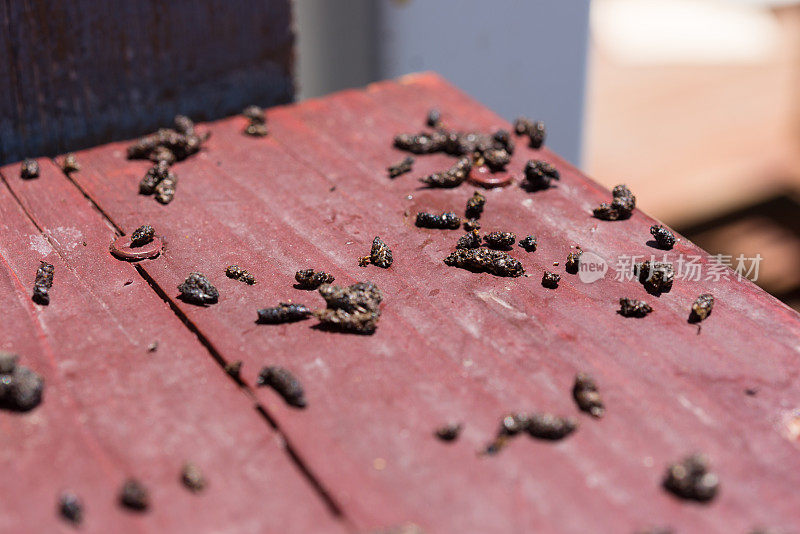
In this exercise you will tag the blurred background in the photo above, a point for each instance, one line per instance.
(695, 104)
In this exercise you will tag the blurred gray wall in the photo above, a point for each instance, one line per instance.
(518, 57)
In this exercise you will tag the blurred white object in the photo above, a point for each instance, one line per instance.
(685, 31)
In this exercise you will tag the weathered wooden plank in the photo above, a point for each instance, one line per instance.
(456, 344)
(75, 73)
(113, 409)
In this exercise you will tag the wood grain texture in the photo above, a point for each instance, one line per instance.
(458, 345)
(75, 73)
(111, 408)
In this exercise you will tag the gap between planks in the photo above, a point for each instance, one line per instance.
(326, 496)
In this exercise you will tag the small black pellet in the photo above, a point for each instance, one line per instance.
(401, 167)
(354, 309)
(540, 174)
(134, 495)
(445, 221)
(472, 224)
(434, 118)
(284, 383)
(449, 432)
(192, 478)
(549, 426)
(475, 205)
(587, 395)
(664, 238)
(656, 277)
(469, 240)
(691, 479)
(701, 308)
(29, 169)
(196, 289)
(142, 235)
(573, 263)
(380, 255)
(484, 260)
(633, 308)
(70, 507)
(43, 283)
(550, 280)
(285, 312)
(528, 243)
(621, 206)
(496, 159)
(503, 139)
(237, 273)
(70, 164)
(311, 279)
(452, 177)
(500, 240)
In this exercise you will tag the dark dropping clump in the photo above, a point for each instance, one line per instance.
(503, 139)
(550, 427)
(449, 431)
(496, 158)
(550, 280)
(573, 263)
(237, 273)
(20, 387)
(472, 224)
(142, 235)
(380, 255)
(168, 144)
(192, 477)
(285, 312)
(196, 289)
(452, 177)
(484, 260)
(434, 118)
(633, 308)
(622, 205)
(587, 395)
(475, 205)
(656, 277)
(421, 143)
(154, 175)
(469, 240)
(664, 238)
(540, 174)
(535, 130)
(537, 425)
(445, 221)
(70, 507)
(522, 125)
(134, 495)
(500, 240)
(401, 167)
(165, 190)
(691, 479)
(257, 125)
(528, 243)
(70, 163)
(354, 309)
(701, 308)
(311, 279)
(29, 169)
(284, 383)
(42, 283)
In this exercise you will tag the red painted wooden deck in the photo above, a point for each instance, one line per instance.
(450, 345)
